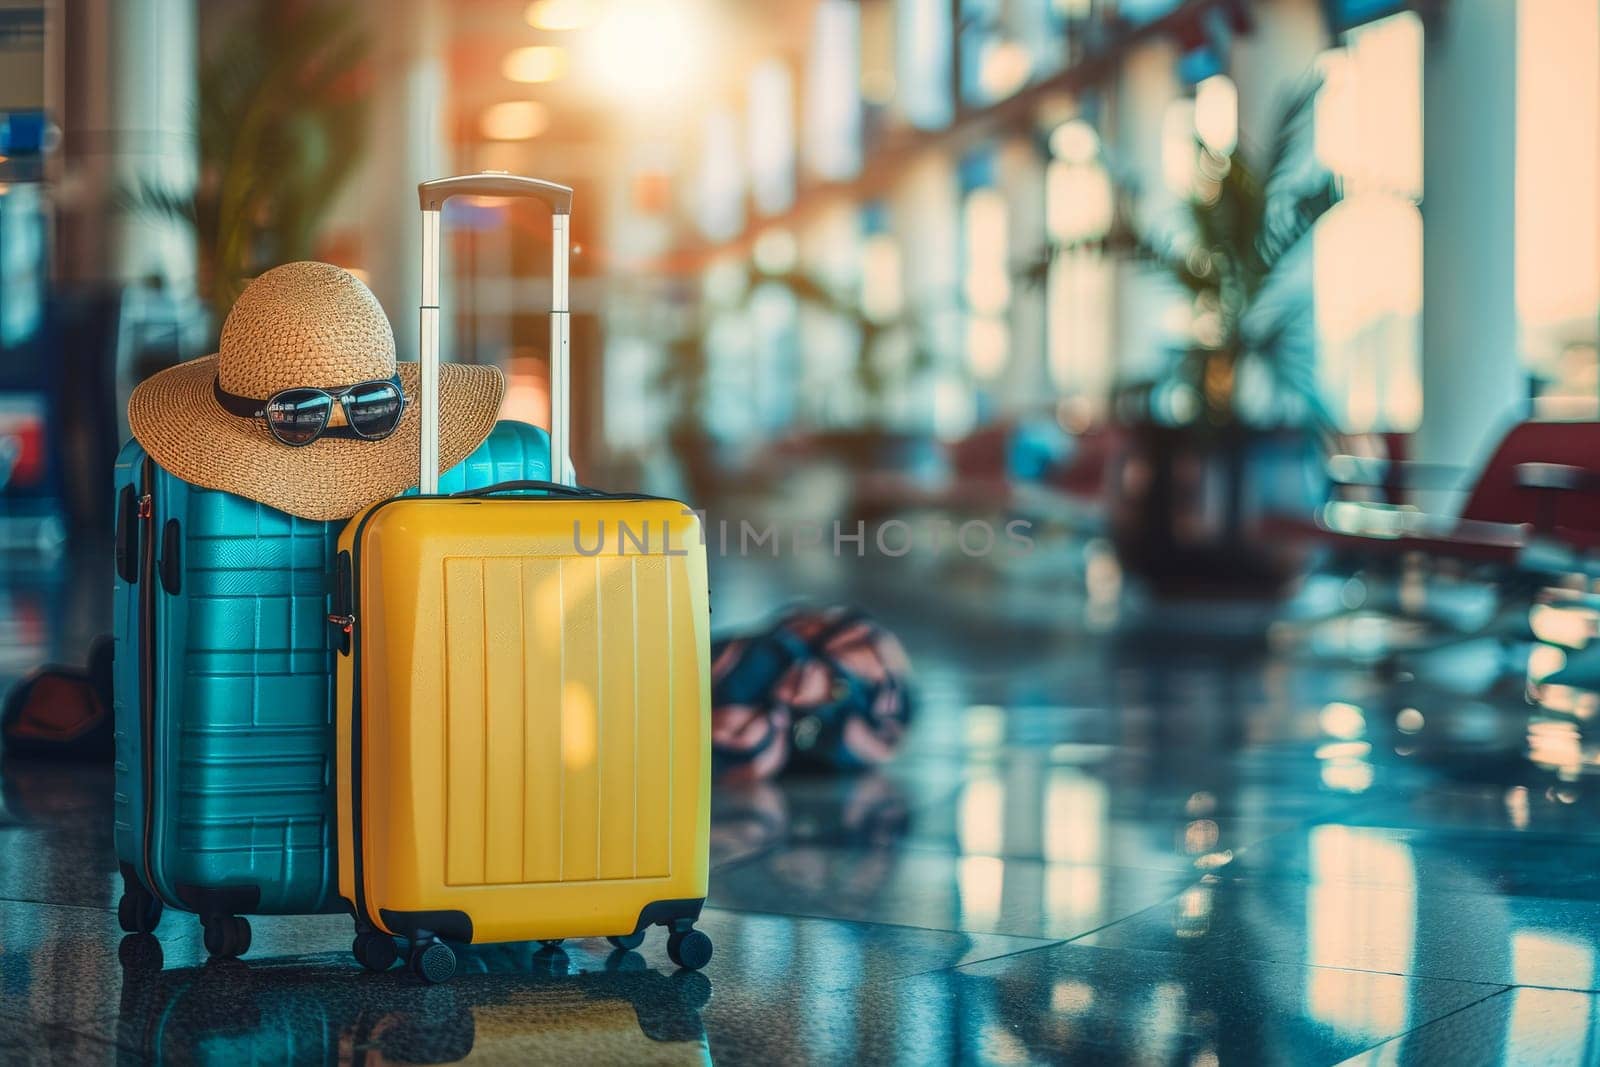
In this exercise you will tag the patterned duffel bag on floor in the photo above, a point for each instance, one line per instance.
(818, 690)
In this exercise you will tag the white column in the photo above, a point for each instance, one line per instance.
(408, 146)
(126, 100)
(1473, 383)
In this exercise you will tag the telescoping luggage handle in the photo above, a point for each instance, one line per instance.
(433, 194)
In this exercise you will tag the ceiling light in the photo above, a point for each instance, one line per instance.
(536, 63)
(515, 120)
(649, 49)
(558, 14)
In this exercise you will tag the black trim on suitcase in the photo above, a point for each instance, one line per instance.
(344, 602)
(669, 913)
(146, 511)
(447, 925)
(358, 850)
(226, 900)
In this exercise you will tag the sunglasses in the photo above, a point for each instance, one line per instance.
(297, 417)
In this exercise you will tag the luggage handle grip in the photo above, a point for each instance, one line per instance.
(573, 492)
(552, 488)
(434, 192)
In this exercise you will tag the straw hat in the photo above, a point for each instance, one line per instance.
(304, 324)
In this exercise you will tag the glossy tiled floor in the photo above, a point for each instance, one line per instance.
(1129, 845)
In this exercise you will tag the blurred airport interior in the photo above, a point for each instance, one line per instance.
(1207, 391)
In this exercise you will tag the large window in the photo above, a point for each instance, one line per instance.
(770, 136)
(925, 211)
(924, 41)
(986, 282)
(719, 196)
(833, 95)
(1079, 202)
(1558, 202)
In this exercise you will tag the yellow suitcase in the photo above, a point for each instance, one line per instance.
(524, 698)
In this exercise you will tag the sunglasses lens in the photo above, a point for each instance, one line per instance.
(373, 410)
(298, 416)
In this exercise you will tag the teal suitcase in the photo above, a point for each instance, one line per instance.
(224, 699)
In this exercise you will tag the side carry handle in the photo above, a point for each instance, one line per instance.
(170, 565)
(572, 492)
(528, 484)
(127, 539)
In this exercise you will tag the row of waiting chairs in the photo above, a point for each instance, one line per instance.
(1523, 530)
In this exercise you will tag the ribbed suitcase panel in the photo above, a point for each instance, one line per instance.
(574, 719)
(661, 695)
(558, 719)
(248, 796)
(505, 683)
(541, 740)
(466, 740)
(617, 727)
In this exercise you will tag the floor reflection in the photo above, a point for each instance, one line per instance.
(1094, 845)
(515, 1003)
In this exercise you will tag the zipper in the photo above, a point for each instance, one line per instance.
(357, 845)
(147, 664)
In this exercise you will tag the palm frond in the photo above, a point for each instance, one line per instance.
(281, 127)
(1290, 219)
(1292, 131)
(155, 200)
(1248, 226)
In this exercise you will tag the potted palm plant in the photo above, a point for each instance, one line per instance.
(284, 93)
(1228, 434)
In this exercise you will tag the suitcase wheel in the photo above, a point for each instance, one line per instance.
(689, 949)
(139, 910)
(627, 943)
(433, 961)
(375, 950)
(227, 936)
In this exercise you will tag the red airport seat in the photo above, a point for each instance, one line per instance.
(1540, 487)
